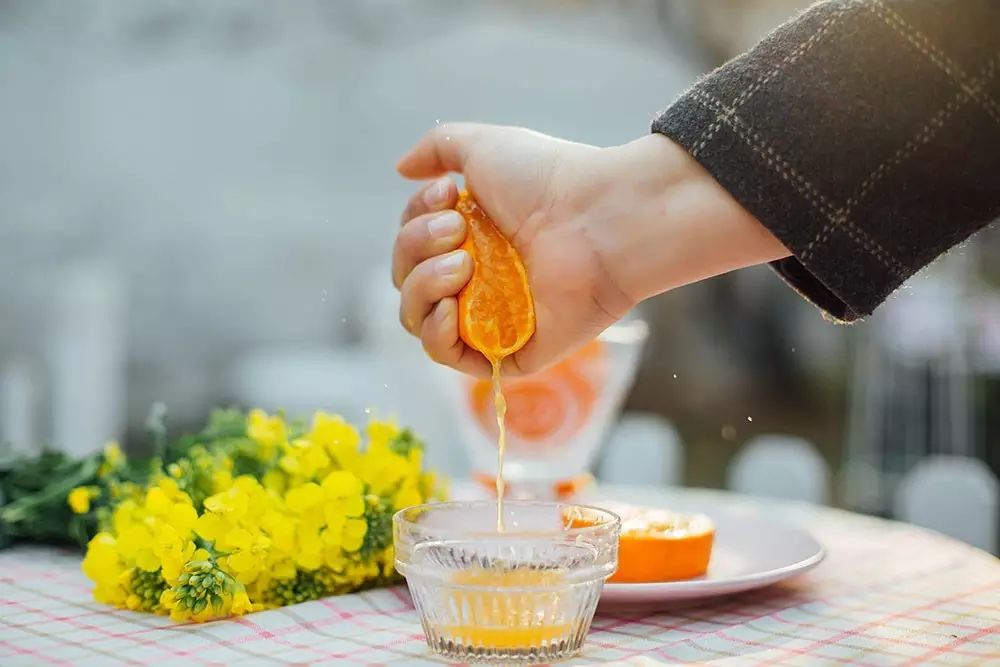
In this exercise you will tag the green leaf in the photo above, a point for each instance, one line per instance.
(227, 423)
(404, 442)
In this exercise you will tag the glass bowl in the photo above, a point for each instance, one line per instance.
(526, 594)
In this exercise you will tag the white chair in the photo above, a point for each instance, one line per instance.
(643, 449)
(954, 495)
(780, 466)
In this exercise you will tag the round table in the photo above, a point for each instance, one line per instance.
(887, 594)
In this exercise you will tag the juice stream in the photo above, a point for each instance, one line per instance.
(500, 405)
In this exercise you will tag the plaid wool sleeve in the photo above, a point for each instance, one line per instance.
(865, 134)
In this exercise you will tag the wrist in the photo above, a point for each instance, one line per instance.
(667, 222)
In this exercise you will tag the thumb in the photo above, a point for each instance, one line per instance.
(444, 149)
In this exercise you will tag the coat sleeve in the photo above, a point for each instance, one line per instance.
(864, 134)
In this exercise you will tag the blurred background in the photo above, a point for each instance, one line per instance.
(198, 201)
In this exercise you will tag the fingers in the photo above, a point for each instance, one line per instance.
(444, 149)
(429, 227)
(439, 335)
(425, 237)
(432, 280)
(438, 195)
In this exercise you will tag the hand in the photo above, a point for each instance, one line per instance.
(599, 229)
(527, 183)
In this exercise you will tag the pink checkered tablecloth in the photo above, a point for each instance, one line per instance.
(887, 594)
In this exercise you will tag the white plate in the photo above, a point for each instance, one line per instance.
(750, 551)
(753, 547)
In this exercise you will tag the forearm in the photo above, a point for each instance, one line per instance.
(672, 223)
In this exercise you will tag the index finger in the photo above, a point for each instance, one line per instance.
(438, 195)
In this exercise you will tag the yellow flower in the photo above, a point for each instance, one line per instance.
(211, 526)
(274, 480)
(268, 432)
(233, 502)
(343, 494)
(303, 497)
(249, 554)
(432, 487)
(104, 567)
(381, 433)
(407, 496)
(284, 569)
(221, 480)
(241, 604)
(334, 557)
(168, 600)
(113, 459)
(80, 497)
(314, 460)
(309, 554)
(136, 544)
(157, 501)
(182, 517)
(172, 563)
(171, 488)
(305, 458)
(388, 562)
(171, 547)
(101, 562)
(113, 454)
(333, 432)
(338, 438)
(382, 470)
(354, 534)
(280, 529)
(124, 515)
(293, 530)
(256, 495)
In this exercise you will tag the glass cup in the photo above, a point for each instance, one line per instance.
(527, 594)
(556, 419)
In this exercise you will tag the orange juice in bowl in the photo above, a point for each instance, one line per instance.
(556, 419)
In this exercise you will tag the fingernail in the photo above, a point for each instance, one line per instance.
(436, 192)
(445, 225)
(451, 263)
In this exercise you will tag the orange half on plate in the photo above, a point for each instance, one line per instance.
(658, 545)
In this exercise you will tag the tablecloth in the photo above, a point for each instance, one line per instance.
(887, 594)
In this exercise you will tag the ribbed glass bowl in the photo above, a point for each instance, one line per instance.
(527, 594)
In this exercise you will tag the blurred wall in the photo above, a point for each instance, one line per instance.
(198, 198)
(227, 166)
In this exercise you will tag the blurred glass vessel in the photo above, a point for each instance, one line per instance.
(527, 594)
(556, 419)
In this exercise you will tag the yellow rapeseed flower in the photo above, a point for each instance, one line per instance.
(340, 439)
(407, 496)
(294, 530)
(381, 433)
(275, 480)
(304, 497)
(104, 567)
(332, 431)
(269, 432)
(113, 459)
(80, 497)
(383, 470)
